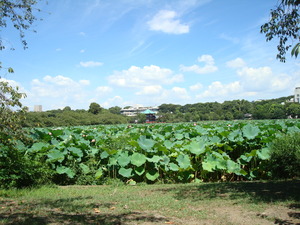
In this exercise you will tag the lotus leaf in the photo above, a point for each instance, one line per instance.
(138, 159)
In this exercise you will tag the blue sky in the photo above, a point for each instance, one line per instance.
(147, 52)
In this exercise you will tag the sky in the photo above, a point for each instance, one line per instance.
(147, 53)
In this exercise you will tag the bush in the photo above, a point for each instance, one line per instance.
(285, 156)
(18, 171)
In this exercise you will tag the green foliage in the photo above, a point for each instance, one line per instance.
(285, 156)
(56, 118)
(19, 170)
(229, 110)
(12, 114)
(181, 152)
(95, 108)
(284, 24)
(19, 13)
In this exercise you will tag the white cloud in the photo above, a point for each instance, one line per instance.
(236, 63)
(138, 77)
(150, 90)
(217, 90)
(84, 82)
(59, 87)
(209, 66)
(180, 93)
(116, 100)
(91, 64)
(165, 21)
(11, 83)
(103, 89)
(82, 51)
(196, 87)
(256, 79)
(175, 95)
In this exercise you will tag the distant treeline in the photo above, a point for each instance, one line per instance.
(279, 108)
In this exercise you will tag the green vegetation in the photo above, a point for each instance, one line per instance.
(168, 153)
(211, 203)
(68, 117)
(285, 156)
(278, 108)
(284, 25)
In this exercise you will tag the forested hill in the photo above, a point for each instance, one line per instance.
(279, 108)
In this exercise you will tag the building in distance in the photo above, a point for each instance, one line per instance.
(38, 108)
(134, 111)
(297, 95)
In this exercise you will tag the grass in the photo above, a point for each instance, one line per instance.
(207, 203)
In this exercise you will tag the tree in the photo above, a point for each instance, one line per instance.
(67, 108)
(95, 108)
(284, 24)
(19, 15)
(115, 110)
(17, 168)
(12, 114)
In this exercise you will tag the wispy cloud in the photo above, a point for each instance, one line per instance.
(229, 38)
(90, 64)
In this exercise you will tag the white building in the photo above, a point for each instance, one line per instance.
(133, 111)
(297, 95)
(38, 108)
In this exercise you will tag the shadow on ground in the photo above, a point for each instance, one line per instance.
(68, 211)
(65, 218)
(267, 192)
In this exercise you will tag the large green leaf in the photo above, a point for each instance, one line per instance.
(112, 161)
(56, 132)
(99, 173)
(55, 156)
(139, 170)
(264, 153)
(104, 155)
(124, 159)
(152, 175)
(125, 172)
(154, 159)
(145, 143)
(168, 144)
(39, 147)
(233, 167)
(165, 160)
(179, 136)
(214, 139)
(138, 159)
(208, 166)
(173, 167)
(197, 147)
(85, 168)
(75, 151)
(65, 170)
(250, 131)
(183, 161)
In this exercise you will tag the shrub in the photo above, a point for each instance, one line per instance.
(285, 156)
(18, 171)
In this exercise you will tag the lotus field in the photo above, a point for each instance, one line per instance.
(149, 153)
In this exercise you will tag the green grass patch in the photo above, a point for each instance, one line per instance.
(211, 203)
